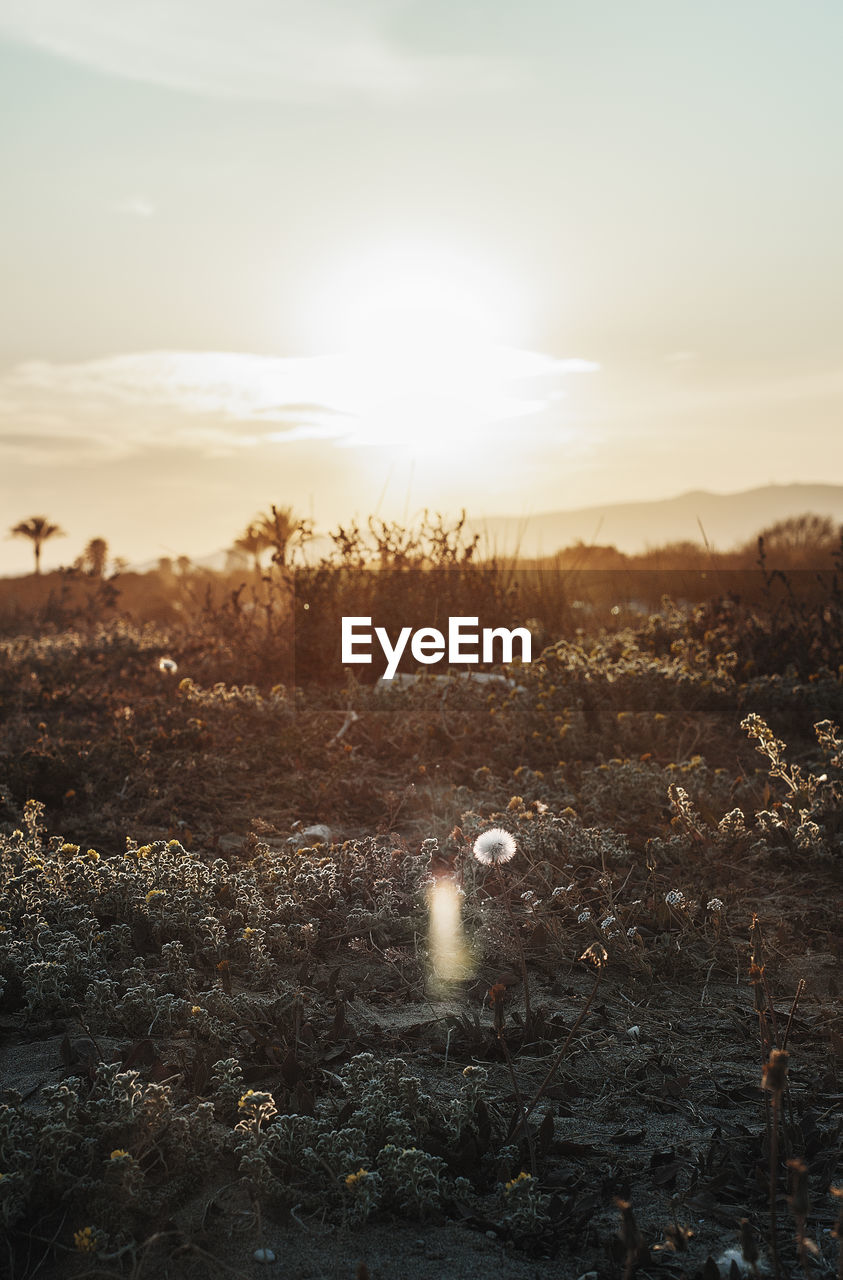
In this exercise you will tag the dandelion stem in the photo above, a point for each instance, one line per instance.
(528, 1013)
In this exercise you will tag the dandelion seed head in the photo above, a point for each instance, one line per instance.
(494, 847)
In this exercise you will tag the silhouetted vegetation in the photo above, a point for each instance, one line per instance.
(217, 853)
(38, 529)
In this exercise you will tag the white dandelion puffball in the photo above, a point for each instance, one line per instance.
(167, 666)
(493, 847)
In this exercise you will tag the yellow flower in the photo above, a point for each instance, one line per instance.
(195, 1009)
(353, 1178)
(244, 1101)
(118, 1154)
(93, 856)
(156, 893)
(522, 1177)
(85, 1240)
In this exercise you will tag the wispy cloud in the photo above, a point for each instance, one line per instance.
(219, 403)
(255, 49)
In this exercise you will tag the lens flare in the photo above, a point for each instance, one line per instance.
(450, 960)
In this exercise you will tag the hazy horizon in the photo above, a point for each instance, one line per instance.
(379, 255)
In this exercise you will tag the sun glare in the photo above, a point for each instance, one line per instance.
(422, 338)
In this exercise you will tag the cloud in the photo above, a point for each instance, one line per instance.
(219, 403)
(287, 50)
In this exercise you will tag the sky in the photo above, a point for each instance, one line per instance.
(358, 256)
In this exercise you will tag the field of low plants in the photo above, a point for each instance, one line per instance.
(272, 995)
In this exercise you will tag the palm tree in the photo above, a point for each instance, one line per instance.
(281, 529)
(38, 529)
(93, 559)
(252, 543)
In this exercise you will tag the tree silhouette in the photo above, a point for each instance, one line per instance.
(38, 529)
(277, 530)
(252, 542)
(801, 540)
(281, 528)
(93, 559)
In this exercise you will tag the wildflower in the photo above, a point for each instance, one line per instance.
(118, 1154)
(675, 898)
(155, 893)
(522, 1177)
(715, 904)
(92, 855)
(596, 955)
(494, 847)
(607, 923)
(353, 1178)
(167, 666)
(85, 1240)
(632, 931)
(584, 917)
(195, 1009)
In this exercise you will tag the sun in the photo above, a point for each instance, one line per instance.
(418, 311)
(420, 337)
(418, 298)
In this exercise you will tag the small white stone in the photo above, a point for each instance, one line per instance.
(264, 1255)
(635, 1032)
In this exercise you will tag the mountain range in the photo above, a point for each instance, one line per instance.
(727, 519)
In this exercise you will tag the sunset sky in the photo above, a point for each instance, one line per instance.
(359, 255)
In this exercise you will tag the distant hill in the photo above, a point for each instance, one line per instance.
(727, 518)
